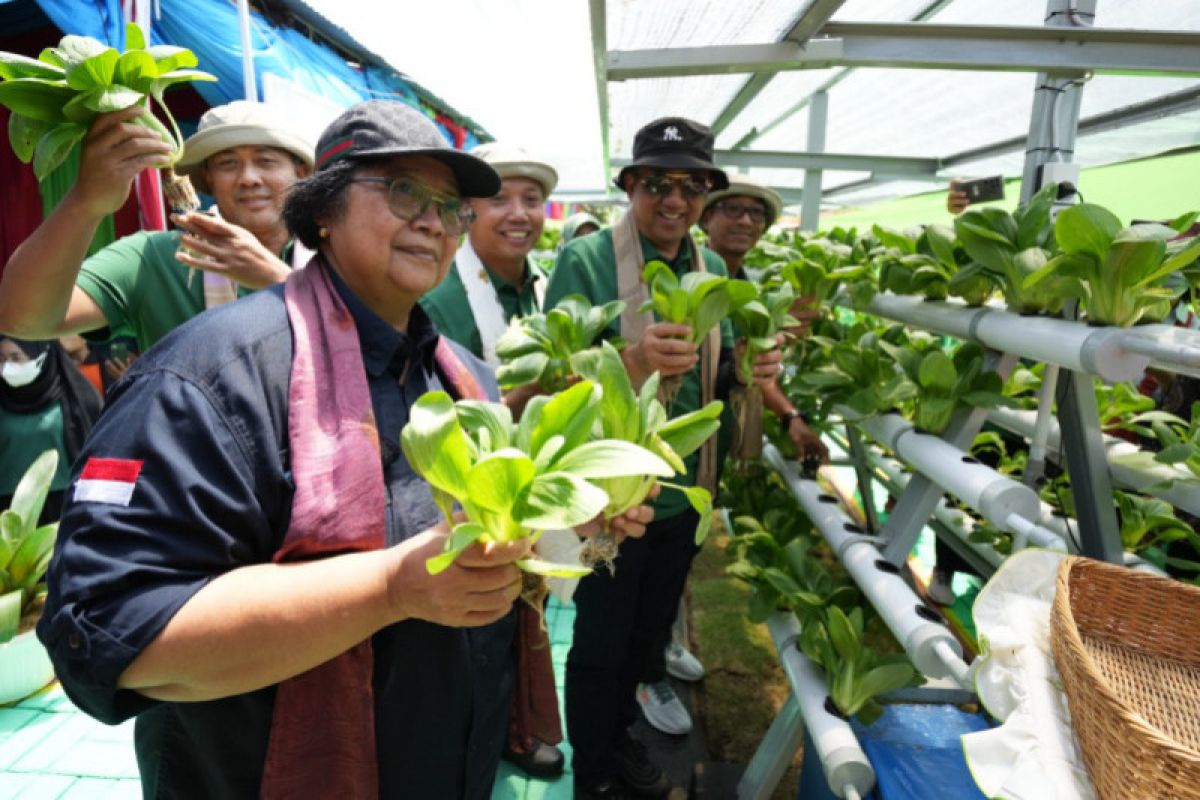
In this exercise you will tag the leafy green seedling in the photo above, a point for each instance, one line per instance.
(641, 420)
(539, 347)
(515, 481)
(25, 547)
(55, 97)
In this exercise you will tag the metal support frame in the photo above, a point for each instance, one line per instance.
(907, 45)
(810, 200)
(1054, 121)
(598, 14)
(1091, 486)
(774, 753)
(915, 506)
(815, 15)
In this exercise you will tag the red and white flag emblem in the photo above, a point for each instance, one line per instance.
(107, 480)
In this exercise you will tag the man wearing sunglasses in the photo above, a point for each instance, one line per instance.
(735, 219)
(244, 154)
(623, 619)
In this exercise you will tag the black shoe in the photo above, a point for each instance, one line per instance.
(638, 772)
(606, 790)
(543, 761)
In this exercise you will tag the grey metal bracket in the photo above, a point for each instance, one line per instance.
(774, 753)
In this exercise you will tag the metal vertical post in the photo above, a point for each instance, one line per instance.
(1055, 117)
(1091, 485)
(249, 79)
(810, 201)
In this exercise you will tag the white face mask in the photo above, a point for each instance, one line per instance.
(23, 373)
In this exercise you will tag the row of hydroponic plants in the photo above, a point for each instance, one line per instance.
(1035, 263)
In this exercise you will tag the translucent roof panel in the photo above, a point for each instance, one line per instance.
(641, 25)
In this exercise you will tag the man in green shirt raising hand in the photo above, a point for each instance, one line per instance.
(243, 154)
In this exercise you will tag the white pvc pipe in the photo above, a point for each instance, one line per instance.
(1036, 464)
(892, 598)
(1170, 348)
(249, 81)
(993, 495)
(1070, 344)
(834, 742)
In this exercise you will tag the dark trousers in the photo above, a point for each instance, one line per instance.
(622, 624)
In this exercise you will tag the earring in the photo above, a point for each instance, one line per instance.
(323, 233)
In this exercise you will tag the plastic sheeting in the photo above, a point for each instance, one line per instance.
(210, 28)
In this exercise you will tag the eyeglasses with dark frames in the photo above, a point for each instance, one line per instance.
(733, 211)
(409, 199)
(660, 184)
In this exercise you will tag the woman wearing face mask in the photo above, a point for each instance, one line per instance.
(45, 403)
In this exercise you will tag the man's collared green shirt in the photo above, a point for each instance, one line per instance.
(587, 266)
(446, 304)
(142, 289)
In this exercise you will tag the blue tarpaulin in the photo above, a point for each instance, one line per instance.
(210, 29)
(915, 751)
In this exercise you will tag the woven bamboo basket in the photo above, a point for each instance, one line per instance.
(1127, 645)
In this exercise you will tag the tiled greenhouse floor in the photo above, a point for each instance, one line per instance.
(49, 750)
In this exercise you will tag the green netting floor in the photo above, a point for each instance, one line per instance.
(50, 750)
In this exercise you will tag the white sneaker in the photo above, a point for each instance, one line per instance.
(682, 664)
(939, 590)
(663, 709)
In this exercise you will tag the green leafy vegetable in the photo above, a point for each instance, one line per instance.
(539, 347)
(25, 547)
(55, 97)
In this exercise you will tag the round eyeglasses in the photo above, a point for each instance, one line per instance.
(734, 211)
(409, 199)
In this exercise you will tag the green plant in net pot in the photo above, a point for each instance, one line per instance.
(26, 547)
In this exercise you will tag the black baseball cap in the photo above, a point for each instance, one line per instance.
(674, 143)
(380, 128)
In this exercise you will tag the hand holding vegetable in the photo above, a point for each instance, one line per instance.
(630, 524)
(809, 446)
(478, 588)
(210, 243)
(806, 310)
(765, 366)
(664, 348)
(115, 150)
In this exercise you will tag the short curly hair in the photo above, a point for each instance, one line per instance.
(320, 195)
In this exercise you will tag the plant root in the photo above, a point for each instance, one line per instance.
(747, 405)
(668, 388)
(534, 591)
(600, 549)
(180, 195)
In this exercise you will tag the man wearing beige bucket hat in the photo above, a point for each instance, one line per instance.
(243, 154)
(493, 278)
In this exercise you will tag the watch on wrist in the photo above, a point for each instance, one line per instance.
(786, 419)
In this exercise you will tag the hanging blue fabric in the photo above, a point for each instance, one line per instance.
(99, 19)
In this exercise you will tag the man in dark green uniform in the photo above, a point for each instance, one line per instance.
(493, 279)
(623, 620)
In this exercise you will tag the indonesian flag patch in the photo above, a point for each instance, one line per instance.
(107, 480)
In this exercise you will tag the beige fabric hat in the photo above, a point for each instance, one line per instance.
(745, 186)
(511, 161)
(235, 124)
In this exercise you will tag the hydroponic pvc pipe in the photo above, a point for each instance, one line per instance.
(1177, 486)
(993, 495)
(879, 580)
(1170, 348)
(1074, 345)
(842, 758)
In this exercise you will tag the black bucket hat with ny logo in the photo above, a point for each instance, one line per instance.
(674, 143)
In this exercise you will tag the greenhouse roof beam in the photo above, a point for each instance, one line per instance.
(1146, 111)
(811, 19)
(925, 13)
(891, 166)
(927, 46)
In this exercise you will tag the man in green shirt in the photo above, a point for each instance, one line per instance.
(493, 279)
(243, 154)
(623, 619)
(734, 220)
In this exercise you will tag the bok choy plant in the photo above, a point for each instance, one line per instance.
(514, 481)
(26, 547)
(761, 319)
(1120, 274)
(55, 97)
(946, 383)
(640, 420)
(699, 299)
(539, 347)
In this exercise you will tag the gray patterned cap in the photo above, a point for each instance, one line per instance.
(380, 128)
